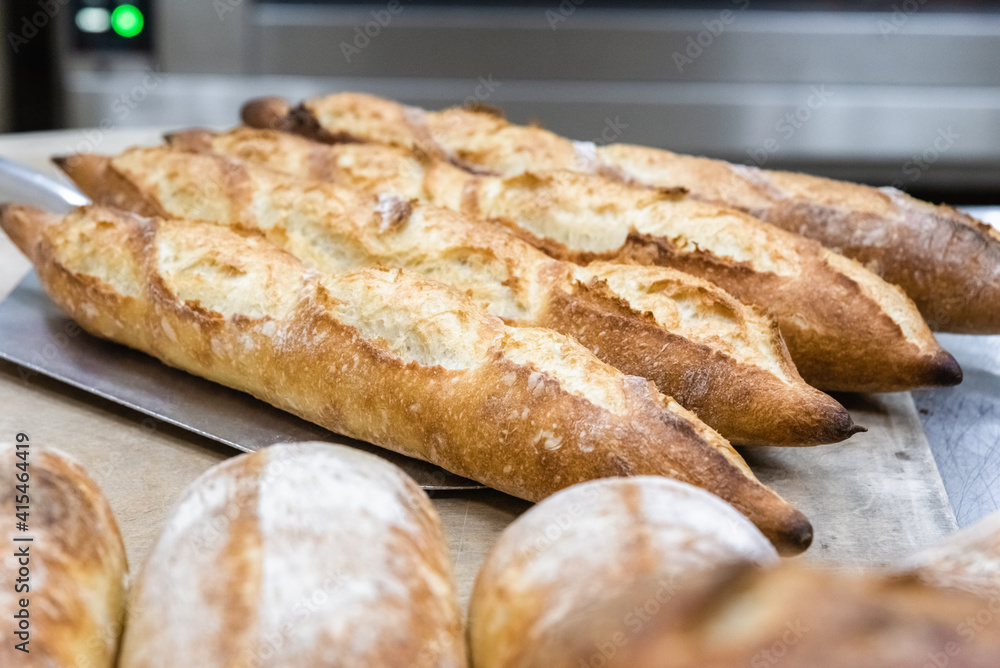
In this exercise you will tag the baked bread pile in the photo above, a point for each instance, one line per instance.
(383, 355)
(310, 554)
(845, 328)
(520, 309)
(303, 554)
(947, 262)
(65, 568)
(652, 322)
(675, 579)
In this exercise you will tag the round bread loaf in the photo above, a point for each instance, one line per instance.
(577, 576)
(298, 555)
(64, 576)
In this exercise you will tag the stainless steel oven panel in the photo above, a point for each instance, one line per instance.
(209, 37)
(861, 133)
(917, 104)
(633, 45)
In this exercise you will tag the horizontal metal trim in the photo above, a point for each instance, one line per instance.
(925, 48)
(823, 23)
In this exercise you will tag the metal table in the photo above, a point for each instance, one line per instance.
(963, 422)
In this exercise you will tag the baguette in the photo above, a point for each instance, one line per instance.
(665, 590)
(306, 554)
(63, 598)
(381, 355)
(846, 329)
(715, 356)
(946, 261)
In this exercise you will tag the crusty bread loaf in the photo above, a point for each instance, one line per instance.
(64, 577)
(968, 560)
(846, 329)
(946, 261)
(382, 355)
(796, 616)
(540, 597)
(717, 357)
(673, 580)
(304, 554)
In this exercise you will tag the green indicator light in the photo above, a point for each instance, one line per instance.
(126, 20)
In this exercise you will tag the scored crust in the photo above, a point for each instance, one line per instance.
(719, 358)
(381, 355)
(835, 316)
(946, 261)
(528, 607)
(292, 555)
(76, 562)
(676, 580)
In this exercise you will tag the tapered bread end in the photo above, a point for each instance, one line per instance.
(266, 113)
(793, 535)
(24, 225)
(194, 140)
(97, 178)
(837, 424)
(87, 171)
(944, 370)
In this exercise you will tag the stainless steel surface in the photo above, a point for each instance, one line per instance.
(872, 499)
(891, 85)
(41, 339)
(25, 185)
(962, 423)
(598, 44)
(199, 36)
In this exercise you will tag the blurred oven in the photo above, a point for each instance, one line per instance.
(904, 92)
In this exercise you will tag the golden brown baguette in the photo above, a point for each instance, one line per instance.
(717, 357)
(63, 598)
(674, 579)
(304, 554)
(946, 261)
(846, 329)
(381, 355)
